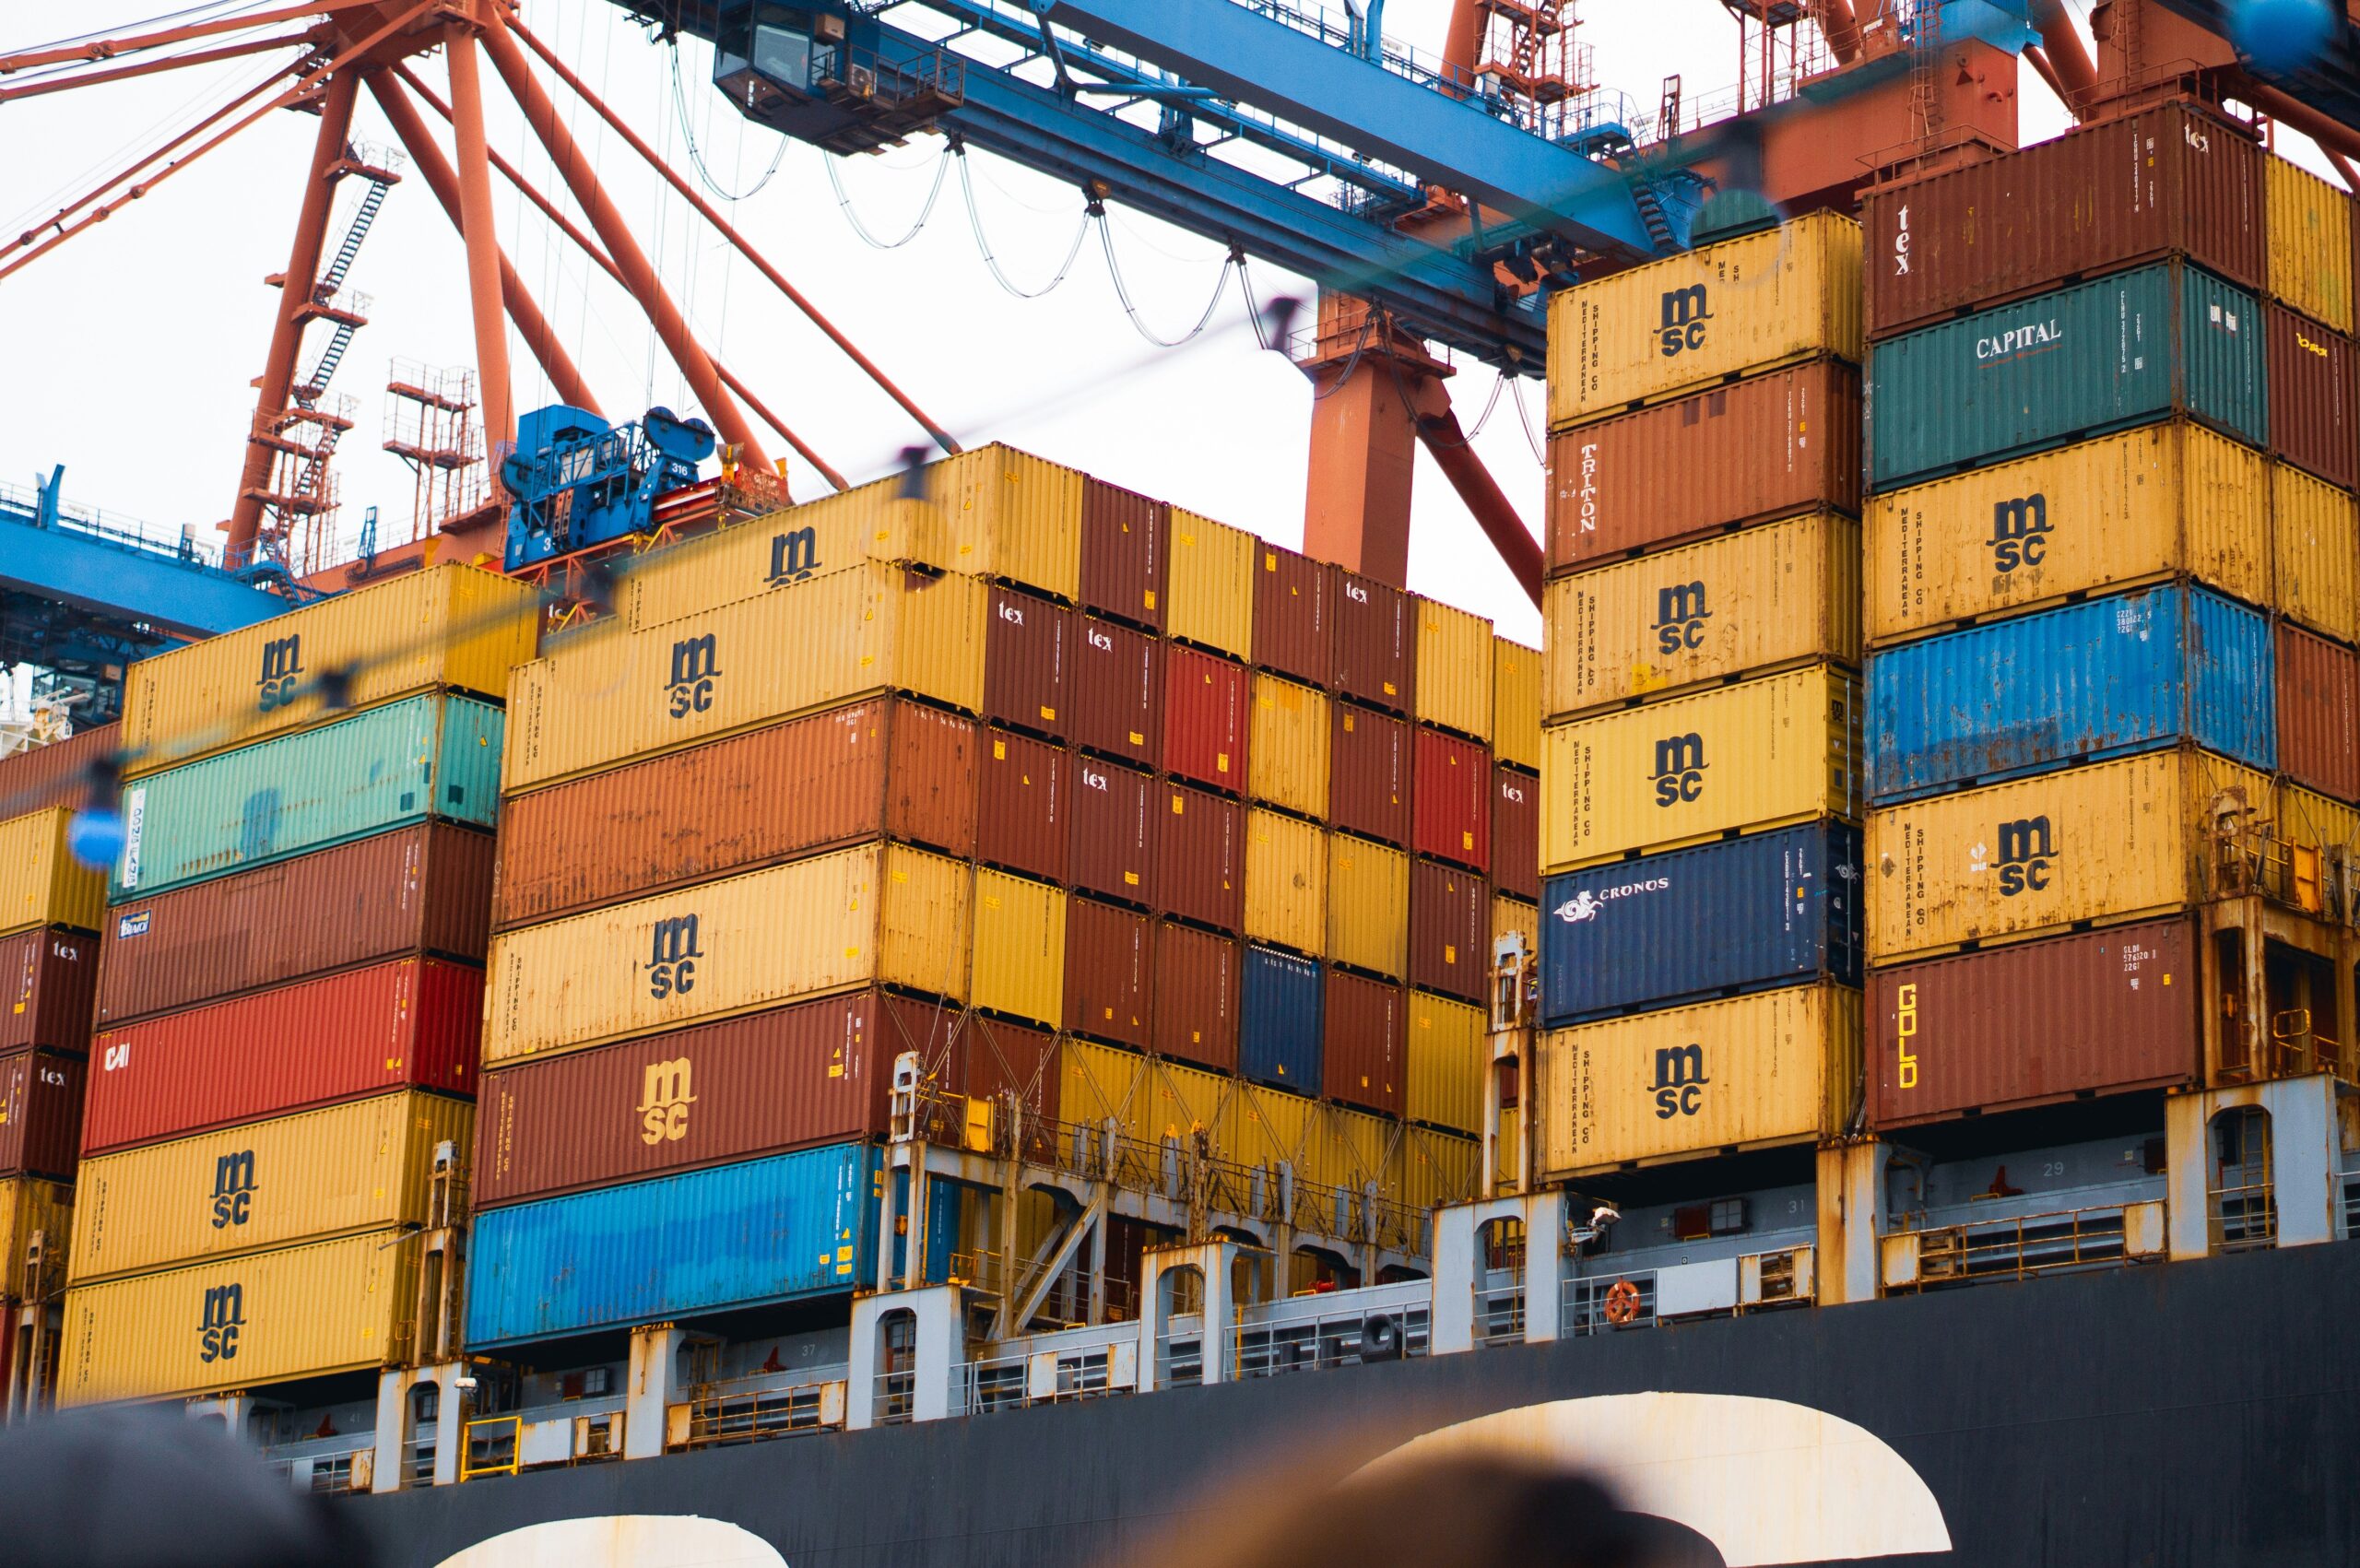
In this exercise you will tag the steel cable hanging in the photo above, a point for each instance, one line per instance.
(1123, 292)
(843, 204)
(1540, 453)
(696, 153)
(975, 221)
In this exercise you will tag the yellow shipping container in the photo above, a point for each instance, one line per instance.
(240, 1322)
(1760, 754)
(615, 696)
(1210, 592)
(1368, 905)
(1453, 685)
(1715, 312)
(1286, 882)
(1785, 593)
(2161, 501)
(1012, 515)
(1513, 914)
(2315, 540)
(1776, 1066)
(1286, 753)
(1438, 1167)
(1019, 949)
(41, 882)
(447, 625)
(2106, 842)
(30, 1205)
(359, 1166)
(1363, 1148)
(1264, 1126)
(878, 912)
(1147, 1100)
(1515, 703)
(873, 523)
(2310, 244)
(1445, 1063)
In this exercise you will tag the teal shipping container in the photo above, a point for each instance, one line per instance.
(430, 756)
(2063, 367)
(761, 1230)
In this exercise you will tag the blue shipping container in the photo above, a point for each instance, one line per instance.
(388, 767)
(792, 1225)
(2100, 678)
(2066, 366)
(1763, 909)
(1279, 1022)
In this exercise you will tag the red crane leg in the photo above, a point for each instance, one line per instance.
(1438, 428)
(484, 260)
(2070, 62)
(779, 425)
(1364, 454)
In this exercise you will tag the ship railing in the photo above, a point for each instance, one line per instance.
(1315, 1332)
(1092, 1364)
(750, 1409)
(1500, 1304)
(325, 1466)
(1180, 1352)
(494, 1446)
(896, 1396)
(1599, 1304)
(2019, 1247)
(2349, 1190)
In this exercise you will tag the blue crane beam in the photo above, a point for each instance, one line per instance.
(124, 584)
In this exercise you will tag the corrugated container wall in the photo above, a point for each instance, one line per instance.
(1208, 717)
(1444, 1063)
(1012, 516)
(41, 882)
(48, 977)
(2310, 244)
(1286, 882)
(2315, 545)
(1515, 703)
(1295, 612)
(1278, 1027)
(1363, 1024)
(2318, 712)
(874, 522)
(40, 1112)
(1211, 583)
(1117, 690)
(2310, 397)
(1450, 930)
(1024, 815)
(1019, 949)
(1516, 832)
(1376, 643)
(1028, 643)
(1455, 666)
(1196, 979)
(1450, 798)
(1368, 906)
(56, 774)
(1287, 747)
(1200, 857)
(29, 1204)
(1115, 817)
(1368, 773)
(1110, 966)
(1126, 551)
(995, 1057)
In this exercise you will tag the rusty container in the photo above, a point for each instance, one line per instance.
(1377, 641)
(1516, 832)
(2172, 180)
(1110, 964)
(1118, 693)
(1362, 1030)
(1207, 711)
(2318, 712)
(1200, 857)
(1024, 813)
(1125, 553)
(1115, 812)
(2311, 421)
(1294, 614)
(1198, 977)
(49, 979)
(423, 889)
(2095, 1012)
(1450, 798)
(1450, 930)
(997, 1059)
(40, 1114)
(1769, 446)
(1368, 773)
(53, 774)
(1028, 642)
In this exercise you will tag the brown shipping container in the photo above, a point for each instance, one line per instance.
(1362, 1033)
(425, 888)
(49, 979)
(1028, 641)
(1118, 693)
(40, 1114)
(1207, 711)
(2097, 1011)
(2092, 200)
(1450, 930)
(1515, 834)
(1113, 847)
(1197, 980)
(884, 765)
(1377, 641)
(1450, 798)
(2310, 397)
(1295, 631)
(995, 1056)
(1125, 550)
(1200, 857)
(1769, 446)
(2318, 712)
(53, 774)
(1026, 805)
(1110, 963)
(1368, 775)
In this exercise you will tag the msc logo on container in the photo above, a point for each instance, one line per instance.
(1905, 1019)
(2019, 532)
(664, 1102)
(1680, 616)
(673, 955)
(1680, 768)
(282, 661)
(225, 1316)
(694, 669)
(1680, 1081)
(794, 556)
(1685, 311)
(2026, 851)
(233, 1189)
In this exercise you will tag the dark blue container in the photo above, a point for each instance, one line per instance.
(2102, 678)
(1279, 1022)
(1739, 915)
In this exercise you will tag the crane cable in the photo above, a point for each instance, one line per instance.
(843, 204)
(696, 153)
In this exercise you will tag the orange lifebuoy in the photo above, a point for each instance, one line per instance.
(1621, 1301)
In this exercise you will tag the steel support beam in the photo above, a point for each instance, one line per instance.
(127, 585)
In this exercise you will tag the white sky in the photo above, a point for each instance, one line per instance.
(130, 349)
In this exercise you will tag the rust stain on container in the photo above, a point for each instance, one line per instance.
(1377, 641)
(2318, 712)
(1295, 631)
(1196, 982)
(1116, 811)
(1200, 857)
(1205, 714)
(1516, 832)
(1450, 798)
(1117, 691)
(49, 978)
(53, 774)
(1027, 646)
(880, 767)
(40, 1112)
(1126, 551)
(1110, 964)
(1025, 811)
(2310, 397)
(1450, 930)
(1362, 1033)
(1368, 775)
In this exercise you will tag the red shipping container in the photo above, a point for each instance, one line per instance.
(997, 1057)
(1026, 648)
(1368, 773)
(2034, 1022)
(40, 1114)
(1206, 708)
(1377, 641)
(1516, 832)
(1200, 858)
(50, 975)
(1294, 632)
(2318, 712)
(422, 889)
(1023, 819)
(1198, 977)
(2310, 397)
(414, 1023)
(1117, 690)
(1363, 1035)
(1450, 930)
(41, 776)
(1110, 965)
(1126, 549)
(1451, 798)
(1113, 847)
